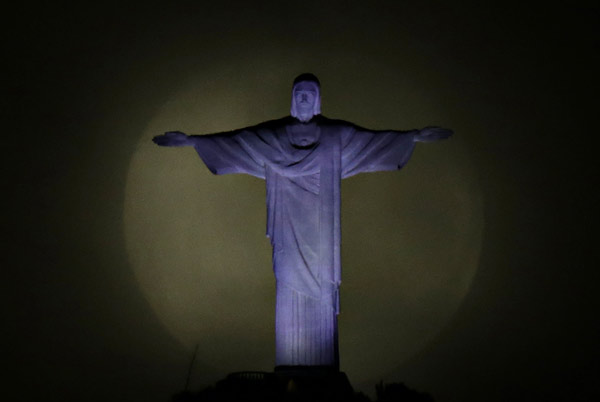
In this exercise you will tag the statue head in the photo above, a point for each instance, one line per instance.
(306, 97)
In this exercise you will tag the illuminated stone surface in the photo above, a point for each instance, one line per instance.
(303, 158)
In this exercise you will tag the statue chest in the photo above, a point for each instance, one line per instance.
(303, 135)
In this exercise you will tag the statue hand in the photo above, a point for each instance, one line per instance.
(431, 134)
(172, 139)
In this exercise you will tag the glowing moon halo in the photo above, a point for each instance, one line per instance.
(411, 243)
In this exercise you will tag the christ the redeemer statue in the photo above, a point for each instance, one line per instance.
(303, 158)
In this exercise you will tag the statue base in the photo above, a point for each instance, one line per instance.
(286, 383)
(314, 382)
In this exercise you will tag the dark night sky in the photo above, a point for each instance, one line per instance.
(83, 82)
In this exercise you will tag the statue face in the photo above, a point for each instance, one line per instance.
(305, 95)
(306, 101)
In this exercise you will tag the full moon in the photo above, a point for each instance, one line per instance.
(411, 239)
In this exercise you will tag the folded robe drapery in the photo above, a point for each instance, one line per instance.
(303, 164)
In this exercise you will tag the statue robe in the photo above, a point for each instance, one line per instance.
(303, 164)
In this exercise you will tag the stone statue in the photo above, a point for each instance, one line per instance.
(303, 158)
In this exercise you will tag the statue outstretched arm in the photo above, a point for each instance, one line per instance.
(432, 134)
(365, 150)
(173, 139)
(222, 153)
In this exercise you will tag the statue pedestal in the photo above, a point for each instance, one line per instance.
(286, 383)
(314, 383)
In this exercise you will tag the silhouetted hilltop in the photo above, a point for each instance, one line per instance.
(398, 392)
(298, 384)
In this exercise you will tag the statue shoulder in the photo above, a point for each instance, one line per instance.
(334, 123)
(275, 123)
(336, 126)
(266, 130)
